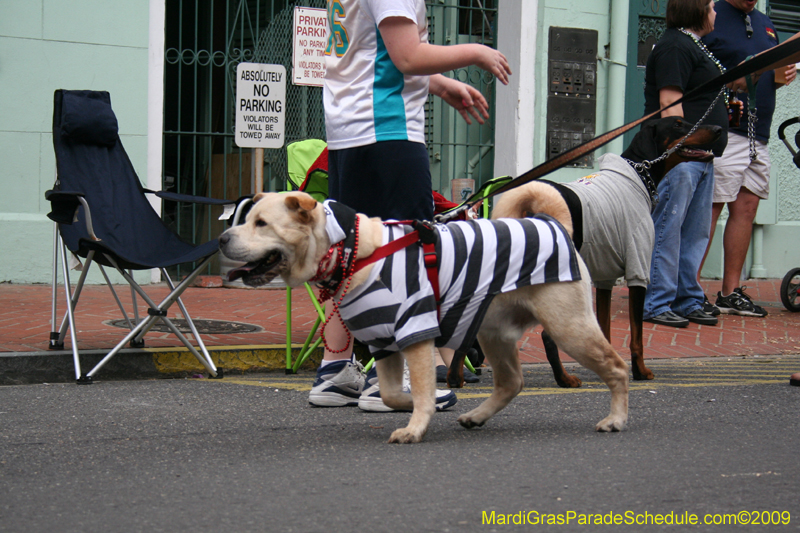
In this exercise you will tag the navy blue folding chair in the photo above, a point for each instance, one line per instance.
(102, 215)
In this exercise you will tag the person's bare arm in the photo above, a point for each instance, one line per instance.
(413, 57)
(466, 99)
(667, 95)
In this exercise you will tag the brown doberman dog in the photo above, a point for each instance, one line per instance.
(619, 208)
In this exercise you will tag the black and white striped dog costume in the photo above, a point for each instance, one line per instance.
(478, 259)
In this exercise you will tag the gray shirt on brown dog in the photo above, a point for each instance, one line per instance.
(618, 234)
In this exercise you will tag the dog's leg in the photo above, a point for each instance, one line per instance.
(423, 391)
(390, 379)
(455, 373)
(501, 329)
(564, 309)
(603, 310)
(563, 379)
(636, 311)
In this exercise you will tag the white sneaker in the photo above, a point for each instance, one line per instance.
(370, 399)
(338, 384)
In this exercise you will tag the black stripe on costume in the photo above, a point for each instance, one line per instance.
(460, 247)
(475, 326)
(474, 260)
(503, 256)
(373, 317)
(386, 271)
(411, 254)
(373, 287)
(531, 255)
(551, 265)
(574, 269)
(420, 307)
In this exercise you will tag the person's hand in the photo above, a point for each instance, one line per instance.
(493, 61)
(465, 99)
(738, 86)
(791, 74)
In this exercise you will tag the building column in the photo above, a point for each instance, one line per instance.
(515, 124)
(617, 71)
(155, 106)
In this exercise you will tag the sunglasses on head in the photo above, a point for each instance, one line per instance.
(748, 26)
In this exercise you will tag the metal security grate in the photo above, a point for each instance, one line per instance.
(207, 39)
(785, 14)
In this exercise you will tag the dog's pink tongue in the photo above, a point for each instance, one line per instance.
(238, 272)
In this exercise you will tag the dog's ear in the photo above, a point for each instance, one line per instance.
(259, 196)
(301, 207)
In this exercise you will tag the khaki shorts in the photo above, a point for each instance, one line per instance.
(734, 170)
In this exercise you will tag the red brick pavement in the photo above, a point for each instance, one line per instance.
(25, 322)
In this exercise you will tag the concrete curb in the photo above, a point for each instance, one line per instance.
(56, 366)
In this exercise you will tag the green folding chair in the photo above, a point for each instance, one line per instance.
(308, 172)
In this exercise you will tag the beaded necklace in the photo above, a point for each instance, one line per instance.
(751, 113)
(704, 49)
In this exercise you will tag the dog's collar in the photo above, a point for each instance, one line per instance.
(341, 227)
(643, 170)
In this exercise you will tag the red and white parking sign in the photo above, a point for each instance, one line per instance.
(310, 41)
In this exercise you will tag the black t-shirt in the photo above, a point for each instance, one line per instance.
(730, 44)
(676, 60)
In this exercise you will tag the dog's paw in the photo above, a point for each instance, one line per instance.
(610, 423)
(467, 421)
(642, 375)
(405, 436)
(568, 381)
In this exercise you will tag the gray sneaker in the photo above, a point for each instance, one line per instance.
(739, 303)
(337, 385)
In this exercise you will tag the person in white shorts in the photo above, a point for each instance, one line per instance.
(741, 178)
(741, 184)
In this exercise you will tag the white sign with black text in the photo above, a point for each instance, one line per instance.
(310, 41)
(260, 105)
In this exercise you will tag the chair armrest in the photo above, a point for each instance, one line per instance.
(233, 208)
(63, 205)
(178, 197)
(64, 208)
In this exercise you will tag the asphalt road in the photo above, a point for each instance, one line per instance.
(247, 453)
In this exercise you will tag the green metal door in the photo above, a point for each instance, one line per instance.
(646, 25)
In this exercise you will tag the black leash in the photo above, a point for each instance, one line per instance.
(761, 61)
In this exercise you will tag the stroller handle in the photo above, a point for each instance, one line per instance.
(785, 125)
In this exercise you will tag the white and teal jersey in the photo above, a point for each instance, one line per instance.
(366, 98)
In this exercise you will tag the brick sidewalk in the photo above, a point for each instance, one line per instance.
(25, 322)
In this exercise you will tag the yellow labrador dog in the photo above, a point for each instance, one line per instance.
(294, 237)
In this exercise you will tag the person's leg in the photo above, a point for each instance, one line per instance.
(755, 187)
(695, 232)
(716, 210)
(736, 238)
(339, 380)
(675, 193)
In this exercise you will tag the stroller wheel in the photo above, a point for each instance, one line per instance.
(789, 287)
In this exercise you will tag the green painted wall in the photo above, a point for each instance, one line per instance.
(56, 44)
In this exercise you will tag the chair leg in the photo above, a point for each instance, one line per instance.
(210, 366)
(306, 350)
(289, 366)
(55, 343)
(71, 315)
(156, 312)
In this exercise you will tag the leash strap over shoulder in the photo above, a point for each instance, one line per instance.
(761, 62)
